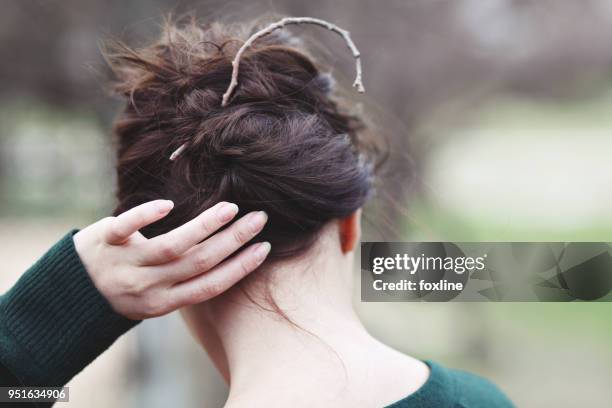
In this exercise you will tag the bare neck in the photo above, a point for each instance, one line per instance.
(320, 350)
(298, 306)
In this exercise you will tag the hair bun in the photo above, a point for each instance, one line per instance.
(282, 144)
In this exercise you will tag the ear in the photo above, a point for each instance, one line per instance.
(350, 231)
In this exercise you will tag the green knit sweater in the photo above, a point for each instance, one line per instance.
(449, 388)
(54, 322)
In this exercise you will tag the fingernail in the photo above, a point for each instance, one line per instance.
(261, 251)
(257, 220)
(164, 206)
(227, 211)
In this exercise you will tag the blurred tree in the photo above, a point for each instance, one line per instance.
(419, 57)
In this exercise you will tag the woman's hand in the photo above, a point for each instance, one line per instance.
(144, 278)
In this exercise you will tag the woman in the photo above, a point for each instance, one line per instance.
(287, 334)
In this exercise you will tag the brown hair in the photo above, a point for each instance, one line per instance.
(283, 144)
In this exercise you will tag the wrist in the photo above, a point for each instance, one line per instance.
(57, 318)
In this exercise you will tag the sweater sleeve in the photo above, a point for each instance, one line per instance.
(54, 321)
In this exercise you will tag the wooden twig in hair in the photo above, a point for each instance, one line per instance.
(267, 30)
(280, 24)
(178, 151)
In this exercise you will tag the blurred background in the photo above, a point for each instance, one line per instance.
(501, 111)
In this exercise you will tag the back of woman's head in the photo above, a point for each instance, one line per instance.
(282, 144)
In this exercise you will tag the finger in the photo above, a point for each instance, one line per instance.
(215, 249)
(166, 247)
(127, 223)
(219, 279)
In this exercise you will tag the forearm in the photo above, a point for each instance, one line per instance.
(54, 321)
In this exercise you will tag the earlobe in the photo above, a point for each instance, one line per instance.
(350, 231)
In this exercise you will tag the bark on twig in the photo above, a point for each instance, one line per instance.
(178, 151)
(280, 24)
(267, 30)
